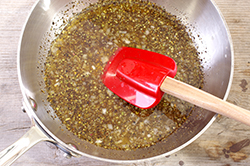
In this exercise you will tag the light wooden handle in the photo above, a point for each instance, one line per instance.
(205, 100)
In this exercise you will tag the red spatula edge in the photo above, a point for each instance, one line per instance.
(135, 75)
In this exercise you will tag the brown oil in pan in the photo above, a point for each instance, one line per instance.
(79, 54)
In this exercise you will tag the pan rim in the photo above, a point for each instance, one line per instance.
(33, 115)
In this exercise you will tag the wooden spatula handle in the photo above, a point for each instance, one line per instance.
(205, 100)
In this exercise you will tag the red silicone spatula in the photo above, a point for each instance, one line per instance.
(142, 77)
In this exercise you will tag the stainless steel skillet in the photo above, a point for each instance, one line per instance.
(200, 14)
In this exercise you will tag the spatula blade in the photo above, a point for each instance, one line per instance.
(136, 75)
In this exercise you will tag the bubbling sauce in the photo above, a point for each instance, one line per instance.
(79, 54)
